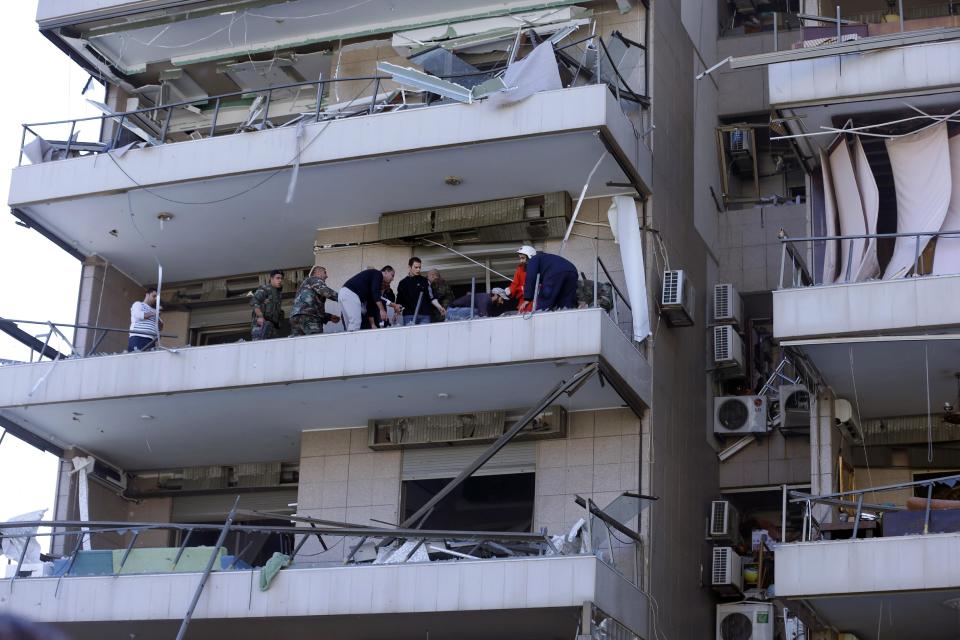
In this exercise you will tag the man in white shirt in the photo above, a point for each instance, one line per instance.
(144, 323)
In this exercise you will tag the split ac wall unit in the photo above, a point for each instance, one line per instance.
(677, 299)
(724, 522)
(739, 415)
(745, 621)
(110, 476)
(727, 572)
(727, 307)
(727, 348)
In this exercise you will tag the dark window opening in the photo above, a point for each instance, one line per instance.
(254, 548)
(483, 503)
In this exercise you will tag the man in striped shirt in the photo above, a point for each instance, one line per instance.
(144, 323)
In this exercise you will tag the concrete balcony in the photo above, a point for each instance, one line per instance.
(847, 583)
(251, 401)
(351, 171)
(532, 598)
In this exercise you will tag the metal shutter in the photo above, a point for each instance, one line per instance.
(216, 507)
(448, 462)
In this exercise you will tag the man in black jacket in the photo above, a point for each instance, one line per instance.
(362, 293)
(414, 290)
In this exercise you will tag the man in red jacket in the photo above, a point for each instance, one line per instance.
(526, 252)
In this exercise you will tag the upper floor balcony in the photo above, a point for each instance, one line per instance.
(250, 401)
(908, 561)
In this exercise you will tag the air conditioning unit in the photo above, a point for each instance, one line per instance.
(846, 418)
(724, 522)
(740, 141)
(739, 415)
(728, 349)
(745, 621)
(726, 573)
(678, 299)
(794, 406)
(726, 305)
(108, 475)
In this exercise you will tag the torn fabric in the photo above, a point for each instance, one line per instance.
(830, 223)
(536, 72)
(12, 547)
(82, 465)
(626, 232)
(921, 176)
(870, 198)
(946, 258)
(850, 210)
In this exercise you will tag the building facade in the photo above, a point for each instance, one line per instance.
(758, 365)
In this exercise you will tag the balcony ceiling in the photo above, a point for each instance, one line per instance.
(249, 402)
(888, 375)
(913, 614)
(235, 219)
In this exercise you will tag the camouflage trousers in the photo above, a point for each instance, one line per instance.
(266, 332)
(304, 325)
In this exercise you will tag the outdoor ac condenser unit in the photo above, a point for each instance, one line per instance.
(724, 522)
(745, 621)
(726, 305)
(794, 406)
(728, 349)
(739, 415)
(678, 298)
(726, 572)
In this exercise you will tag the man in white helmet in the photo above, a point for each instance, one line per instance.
(557, 278)
(515, 290)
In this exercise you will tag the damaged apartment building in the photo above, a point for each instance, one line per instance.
(747, 429)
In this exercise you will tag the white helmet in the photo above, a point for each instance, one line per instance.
(527, 250)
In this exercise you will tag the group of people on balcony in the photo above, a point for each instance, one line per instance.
(367, 298)
(546, 280)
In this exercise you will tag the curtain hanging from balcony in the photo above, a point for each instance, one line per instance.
(923, 183)
(626, 232)
(830, 220)
(870, 198)
(946, 259)
(849, 208)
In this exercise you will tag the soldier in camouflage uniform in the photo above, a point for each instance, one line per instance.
(266, 314)
(441, 292)
(308, 315)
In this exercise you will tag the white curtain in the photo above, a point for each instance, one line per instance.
(870, 198)
(626, 232)
(830, 227)
(946, 258)
(923, 182)
(850, 210)
(82, 466)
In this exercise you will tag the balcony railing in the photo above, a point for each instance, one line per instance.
(795, 273)
(591, 535)
(812, 528)
(152, 125)
(56, 346)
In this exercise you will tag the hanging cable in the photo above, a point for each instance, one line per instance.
(856, 400)
(248, 189)
(926, 368)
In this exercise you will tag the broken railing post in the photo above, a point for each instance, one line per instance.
(473, 294)
(23, 554)
(73, 127)
(216, 113)
(574, 382)
(266, 107)
(316, 115)
(126, 553)
(166, 125)
(856, 519)
(373, 98)
(23, 141)
(926, 511)
(206, 572)
(416, 309)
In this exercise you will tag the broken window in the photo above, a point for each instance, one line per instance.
(480, 503)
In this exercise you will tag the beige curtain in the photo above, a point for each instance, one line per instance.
(830, 213)
(923, 182)
(946, 259)
(870, 198)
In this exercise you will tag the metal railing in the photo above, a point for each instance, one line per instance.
(854, 500)
(153, 123)
(47, 349)
(801, 276)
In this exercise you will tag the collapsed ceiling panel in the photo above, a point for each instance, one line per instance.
(186, 38)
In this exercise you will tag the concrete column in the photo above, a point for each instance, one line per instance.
(824, 449)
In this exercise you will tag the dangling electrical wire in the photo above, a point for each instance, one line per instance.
(926, 368)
